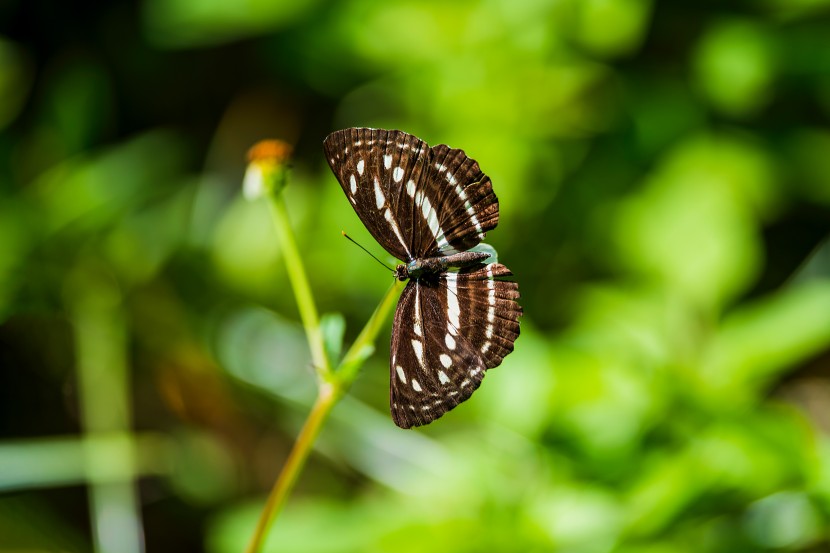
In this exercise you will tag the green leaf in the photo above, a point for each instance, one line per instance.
(333, 327)
(768, 337)
(360, 356)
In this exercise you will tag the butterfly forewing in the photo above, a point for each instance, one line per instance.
(415, 200)
(468, 206)
(375, 168)
(448, 331)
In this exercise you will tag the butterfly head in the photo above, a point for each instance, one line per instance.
(402, 272)
(416, 268)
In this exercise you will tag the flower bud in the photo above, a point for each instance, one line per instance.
(267, 170)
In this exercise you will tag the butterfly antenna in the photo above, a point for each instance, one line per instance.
(367, 251)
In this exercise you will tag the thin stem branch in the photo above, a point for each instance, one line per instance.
(326, 399)
(268, 176)
(299, 282)
(328, 395)
(365, 341)
(103, 390)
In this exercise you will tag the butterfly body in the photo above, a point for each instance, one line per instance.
(436, 265)
(457, 316)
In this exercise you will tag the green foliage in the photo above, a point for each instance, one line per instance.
(664, 183)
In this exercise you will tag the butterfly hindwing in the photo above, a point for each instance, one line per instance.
(489, 310)
(448, 330)
(427, 378)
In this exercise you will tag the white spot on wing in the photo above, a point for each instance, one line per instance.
(410, 188)
(416, 385)
(429, 215)
(401, 374)
(387, 214)
(353, 184)
(431, 218)
(472, 212)
(387, 161)
(397, 174)
(470, 209)
(453, 309)
(446, 360)
(380, 199)
(443, 378)
(360, 166)
(417, 322)
(418, 347)
(491, 307)
(449, 340)
(426, 207)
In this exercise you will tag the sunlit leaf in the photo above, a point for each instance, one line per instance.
(333, 327)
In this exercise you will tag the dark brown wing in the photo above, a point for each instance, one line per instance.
(448, 331)
(468, 207)
(374, 167)
(416, 201)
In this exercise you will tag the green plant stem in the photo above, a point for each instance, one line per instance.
(329, 392)
(299, 282)
(364, 344)
(326, 399)
(103, 390)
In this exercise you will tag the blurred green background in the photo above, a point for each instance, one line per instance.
(664, 176)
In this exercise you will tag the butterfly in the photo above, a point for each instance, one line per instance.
(428, 206)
